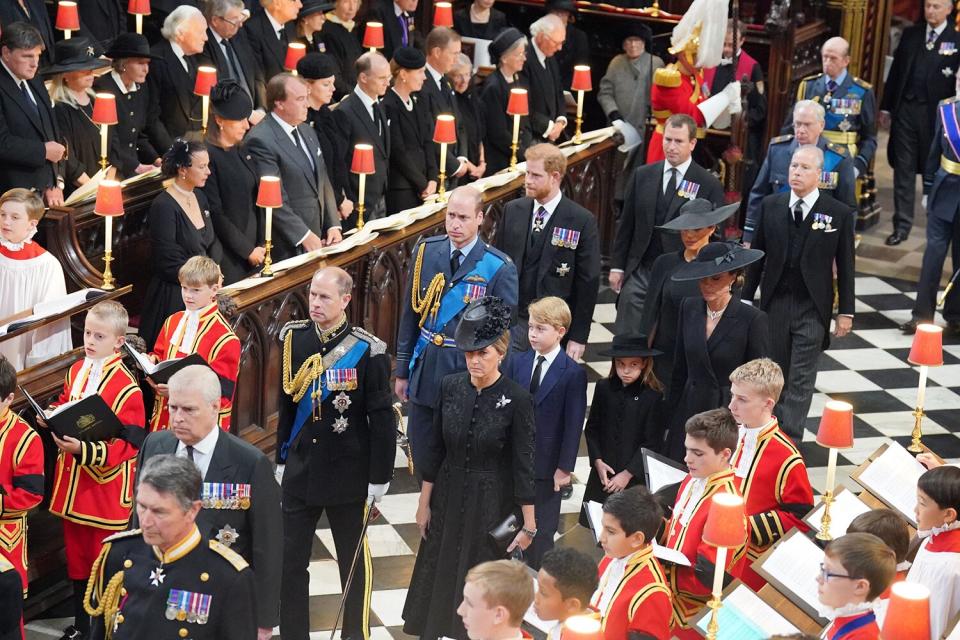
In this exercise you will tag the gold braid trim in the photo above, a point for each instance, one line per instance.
(430, 301)
(312, 368)
(108, 604)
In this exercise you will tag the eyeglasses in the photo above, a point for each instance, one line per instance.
(557, 43)
(236, 24)
(826, 575)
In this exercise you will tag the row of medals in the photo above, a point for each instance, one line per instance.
(225, 503)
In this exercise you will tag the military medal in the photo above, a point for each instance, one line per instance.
(341, 380)
(340, 425)
(828, 180)
(156, 576)
(342, 402)
(563, 269)
(567, 238)
(227, 535)
(203, 610)
(688, 189)
(844, 125)
(948, 48)
(474, 291)
(930, 46)
(243, 496)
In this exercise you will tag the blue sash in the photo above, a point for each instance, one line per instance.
(456, 299)
(853, 625)
(833, 120)
(348, 360)
(951, 128)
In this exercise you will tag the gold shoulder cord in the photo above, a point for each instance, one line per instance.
(309, 371)
(109, 602)
(430, 301)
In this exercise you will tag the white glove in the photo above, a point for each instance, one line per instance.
(617, 124)
(732, 91)
(278, 474)
(377, 491)
(923, 203)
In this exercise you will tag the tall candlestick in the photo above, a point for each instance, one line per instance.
(103, 146)
(577, 138)
(206, 112)
(268, 244)
(139, 19)
(713, 627)
(516, 141)
(442, 190)
(360, 190)
(917, 433)
(108, 254)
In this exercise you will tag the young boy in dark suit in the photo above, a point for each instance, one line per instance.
(559, 389)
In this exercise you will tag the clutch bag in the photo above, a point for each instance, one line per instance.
(503, 534)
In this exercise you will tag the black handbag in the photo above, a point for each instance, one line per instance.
(503, 534)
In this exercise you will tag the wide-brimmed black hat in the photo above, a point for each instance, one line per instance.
(76, 54)
(230, 101)
(502, 43)
(562, 5)
(315, 66)
(311, 7)
(699, 213)
(630, 347)
(637, 29)
(717, 257)
(409, 58)
(130, 45)
(483, 322)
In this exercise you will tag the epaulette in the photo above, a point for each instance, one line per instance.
(122, 535)
(5, 565)
(293, 324)
(811, 77)
(863, 83)
(780, 139)
(838, 149)
(377, 346)
(229, 555)
(434, 239)
(497, 252)
(949, 100)
(667, 76)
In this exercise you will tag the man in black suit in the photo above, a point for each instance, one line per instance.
(923, 73)
(803, 233)
(555, 245)
(240, 499)
(270, 31)
(442, 50)
(173, 73)
(230, 52)
(103, 19)
(653, 197)
(360, 119)
(576, 49)
(30, 153)
(399, 29)
(542, 75)
(34, 13)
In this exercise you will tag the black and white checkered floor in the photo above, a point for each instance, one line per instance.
(868, 369)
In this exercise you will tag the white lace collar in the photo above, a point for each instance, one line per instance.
(18, 246)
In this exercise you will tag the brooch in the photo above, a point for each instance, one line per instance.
(156, 576)
(228, 535)
(563, 269)
(340, 425)
(503, 401)
(948, 72)
(342, 402)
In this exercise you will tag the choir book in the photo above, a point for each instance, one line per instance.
(88, 419)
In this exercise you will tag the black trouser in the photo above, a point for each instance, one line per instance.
(911, 142)
(299, 533)
(796, 342)
(942, 236)
(547, 511)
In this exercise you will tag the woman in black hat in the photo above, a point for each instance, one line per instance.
(231, 188)
(413, 172)
(478, 470)
(342, 36)
(508, 52)
(626, 415)
(716, 333)
(697, 224)
(479, 20)
(310, 23)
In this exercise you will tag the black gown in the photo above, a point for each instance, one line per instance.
(333, 148)
(480, 460)
(345, 47)
(484, 31)
(498, 124)
(173, 241)
(410, 171)
(83, 142)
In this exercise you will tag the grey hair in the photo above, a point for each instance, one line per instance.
(817, 152)
(546, 24)
(343, 280)
(199, 377)
(219, 8)
(813, 107)
(472, 194)
(463, 60)
(173, 25)
(174, 476)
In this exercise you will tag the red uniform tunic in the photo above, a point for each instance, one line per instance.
(775, 485)
(673, 91)
(93, 490)
(21, 481)
(857, 628)
(216, 343)
(690, 592)
(640, 600)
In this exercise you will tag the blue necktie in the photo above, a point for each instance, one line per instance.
(404, 28)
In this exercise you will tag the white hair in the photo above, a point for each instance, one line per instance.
(817, 153)
(198, 377)
(175, 22)
(813, 107)
(547, 24)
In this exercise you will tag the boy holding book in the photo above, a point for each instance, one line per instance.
(565, 583)
(94, 480)
(495, 596)
(856, 569)
(202, 330)
(769, 471)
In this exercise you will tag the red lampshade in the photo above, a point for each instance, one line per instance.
(139, 7)
(445, 130)
(206, 78)
(836, 425)
(104, 109)
(109, 199)
(726, 521)
(908, 615)
(362, 159)
(581, 78)
(268, 194)
(373, 35)
(517, 106)
(295, 51)
(584, 627)
(927, 347)
(443, 14)
(67, 16)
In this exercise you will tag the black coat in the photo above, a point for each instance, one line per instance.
(11, 603)
(439, 100)
(546, 91)
(332, 147)
(471, 125)
(83, 142)
(575, 50)
(488, 31)
(410, 171)
(171, 89)
(702, 366)
(259, 529)
(23, 135)
(635, 227)
(382, 11)
(231, 191)
(140, 135)
(345, 48)
(249, 66)
(498, 125)
(268, 50)
(103, 19)
(11, 11)
(354, 126)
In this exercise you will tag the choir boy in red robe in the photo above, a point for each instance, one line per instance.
(856, 569)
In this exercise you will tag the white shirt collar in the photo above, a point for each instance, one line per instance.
(16, 80)
(467, 248)
(365, 99)
(748, 447)
(840, 78)
(542, 59)
(276, 25)
(938, 29)
(286, 126)
(397, 11)
(87, 382)
(808, 201)
(550, 205)
(548, 359)
(124, 89)
(181, 56)
(203, 450)
(433, 73)
(683, 167)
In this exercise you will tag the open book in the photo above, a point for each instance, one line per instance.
(745, 616)
(845, 507)
(792, 566)
(48, 308)
(88, 419)
(891, 475)
(161, 372)
(88, 191)
(661, 471)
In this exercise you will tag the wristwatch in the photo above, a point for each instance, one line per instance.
(532, 534)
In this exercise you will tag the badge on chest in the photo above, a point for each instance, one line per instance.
(188, 606)
(567, 238)
(221, 495)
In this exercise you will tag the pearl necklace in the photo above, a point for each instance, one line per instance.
(715, 315)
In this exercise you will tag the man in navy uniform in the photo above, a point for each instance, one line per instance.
(448, 272)
(837, 178)
(941, 189)
(336, 440)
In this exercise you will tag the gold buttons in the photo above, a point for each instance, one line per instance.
(183, 633)
(119, 618)
(127, 563)
(314, 441)
(123, 591)
(204, 576)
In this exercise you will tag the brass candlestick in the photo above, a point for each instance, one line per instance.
(824, 533)
(442, 188)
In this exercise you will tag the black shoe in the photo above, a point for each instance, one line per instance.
(909, 327)
(71, 633)
(896, 238)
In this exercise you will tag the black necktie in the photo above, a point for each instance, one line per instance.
(798, 213)
(282, 35)
(190, 453)
(302, 147)
(29, 98)
(672, 182)
(378, 118)
(455, 261)
(537, 370)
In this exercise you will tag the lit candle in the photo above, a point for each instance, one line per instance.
(516, 128)
(103, 140)
(269, 230)
(139, 19)
(718, 571)
(108, 236)
(443, 155)
(922, 387)
(361, 188)
(206, 109)
(579, 104)
(831, 470)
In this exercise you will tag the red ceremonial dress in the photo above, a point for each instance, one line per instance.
(633, 596)
(854, 627)
(21, 481)
(673, 91)
(206, 333)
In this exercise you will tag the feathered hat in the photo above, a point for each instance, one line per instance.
(701, 31)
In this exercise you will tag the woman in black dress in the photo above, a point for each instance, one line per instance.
(697, 223)
(478, 469)
(231, 189)
(471, 121)
(310, 23)
(342, 35)
(508, 52)
(716, 333)
(479, 20)
(180, 228)
(413, 171)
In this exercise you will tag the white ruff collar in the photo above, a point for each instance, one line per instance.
(935, 531)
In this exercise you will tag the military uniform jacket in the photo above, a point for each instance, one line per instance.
(21, 487)
(95, 487)
(199, 590)
(641, 603)
(943, 186)
(850, 108)
(353, 442)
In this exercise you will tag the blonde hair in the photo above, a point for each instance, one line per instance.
(763, 374)
(550, 310)
(504, 583)
(199, 271)
(502, 344)
(113, 314)
(553, 158)
(30, 200)
(60, 93)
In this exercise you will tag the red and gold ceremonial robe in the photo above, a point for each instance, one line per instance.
(634, 597)
(674, 90)
(21, 481)
(208, 335)
(859, 626)
(772, 478)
